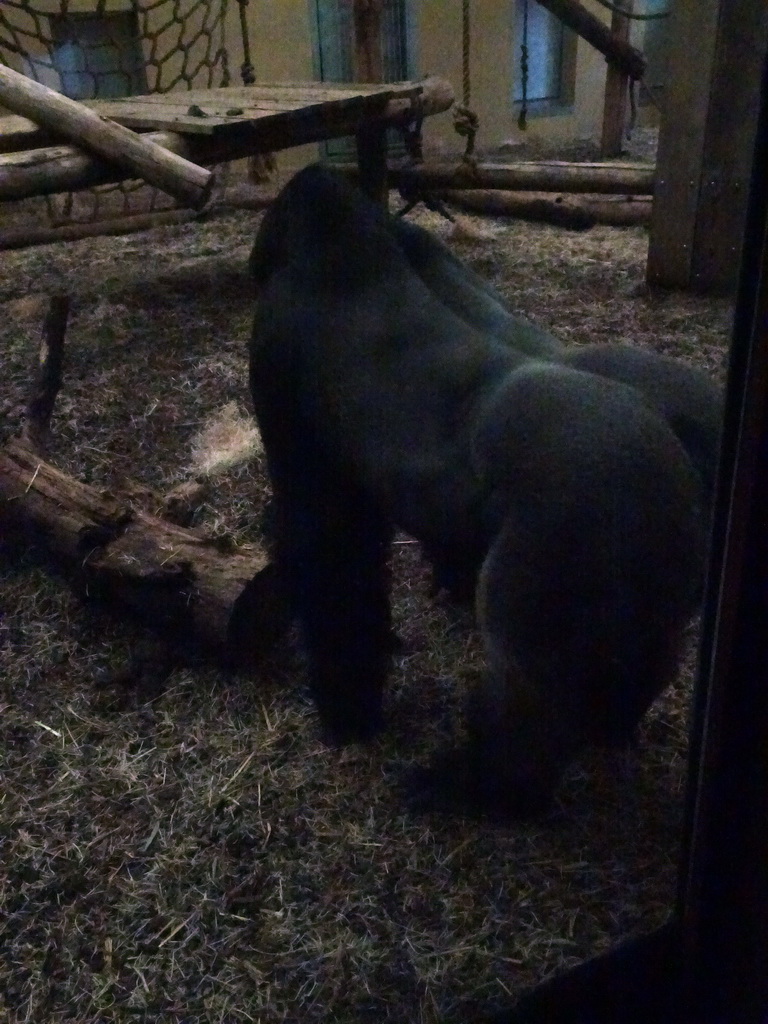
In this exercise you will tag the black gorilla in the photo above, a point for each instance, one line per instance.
(468, 294)
(689, 401)
(567, 493)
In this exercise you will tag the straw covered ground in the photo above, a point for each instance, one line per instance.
(185, 849)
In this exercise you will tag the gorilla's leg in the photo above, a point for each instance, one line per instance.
(469, 295)
(333, 547)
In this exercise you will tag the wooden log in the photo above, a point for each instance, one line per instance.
(47, 376)
(139, 156)
(367, 56)
(616, 51)
(227, 601)
(616, 90)
(574, 212)
(65, 168)
(33, 234)
(535, 176)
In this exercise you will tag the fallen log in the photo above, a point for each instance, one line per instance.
(574, 212)
(533, 176)
(226, 600)
(37, 234)
(137, 155)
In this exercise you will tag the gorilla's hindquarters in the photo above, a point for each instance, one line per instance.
(586, 591)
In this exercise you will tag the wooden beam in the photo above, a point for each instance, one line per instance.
(616, 88)
(536, 176)
(367, 56)
(585, 24)
(35, 234)
(570, 211)
(137, 155)
(705, 143)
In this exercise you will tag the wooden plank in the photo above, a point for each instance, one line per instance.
(292, 91)
(65, 168)
(705, 143)
(19, 133)
(616, 88)
(180, 120)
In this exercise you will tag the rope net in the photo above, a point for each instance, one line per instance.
(106, 49)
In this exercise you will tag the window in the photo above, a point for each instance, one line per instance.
(655, 43)
(98, 55)
(551, 49)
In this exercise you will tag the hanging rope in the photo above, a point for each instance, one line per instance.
(247, 73)
(465, 121)
(522, 120)
(465, 54)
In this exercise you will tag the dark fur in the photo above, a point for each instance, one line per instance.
(689, 401)
(379, 406)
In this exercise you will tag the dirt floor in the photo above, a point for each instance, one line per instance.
(188, 851)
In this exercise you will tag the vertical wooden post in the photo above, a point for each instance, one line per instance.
(705, 144)
(369, 67)
(616, 87)
(367, 60)
(372, 161)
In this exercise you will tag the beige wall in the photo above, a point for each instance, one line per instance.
(493, 51)
(281, 41)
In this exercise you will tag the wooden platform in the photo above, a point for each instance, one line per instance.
(264, 109)
(211, 126)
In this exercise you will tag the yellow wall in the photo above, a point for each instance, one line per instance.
(281, 41)
(493, 51)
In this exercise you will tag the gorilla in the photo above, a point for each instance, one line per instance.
(686, 397)
(563, 493)
(467, 294)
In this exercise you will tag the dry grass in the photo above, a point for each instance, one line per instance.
(191, 852)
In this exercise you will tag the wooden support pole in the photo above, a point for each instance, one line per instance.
(372, 162)
(705, 143)
(585, 24)
(47, 377)
(535, 176)
(371, 141)
(617, 84)
(138, 155)
(367, 55)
